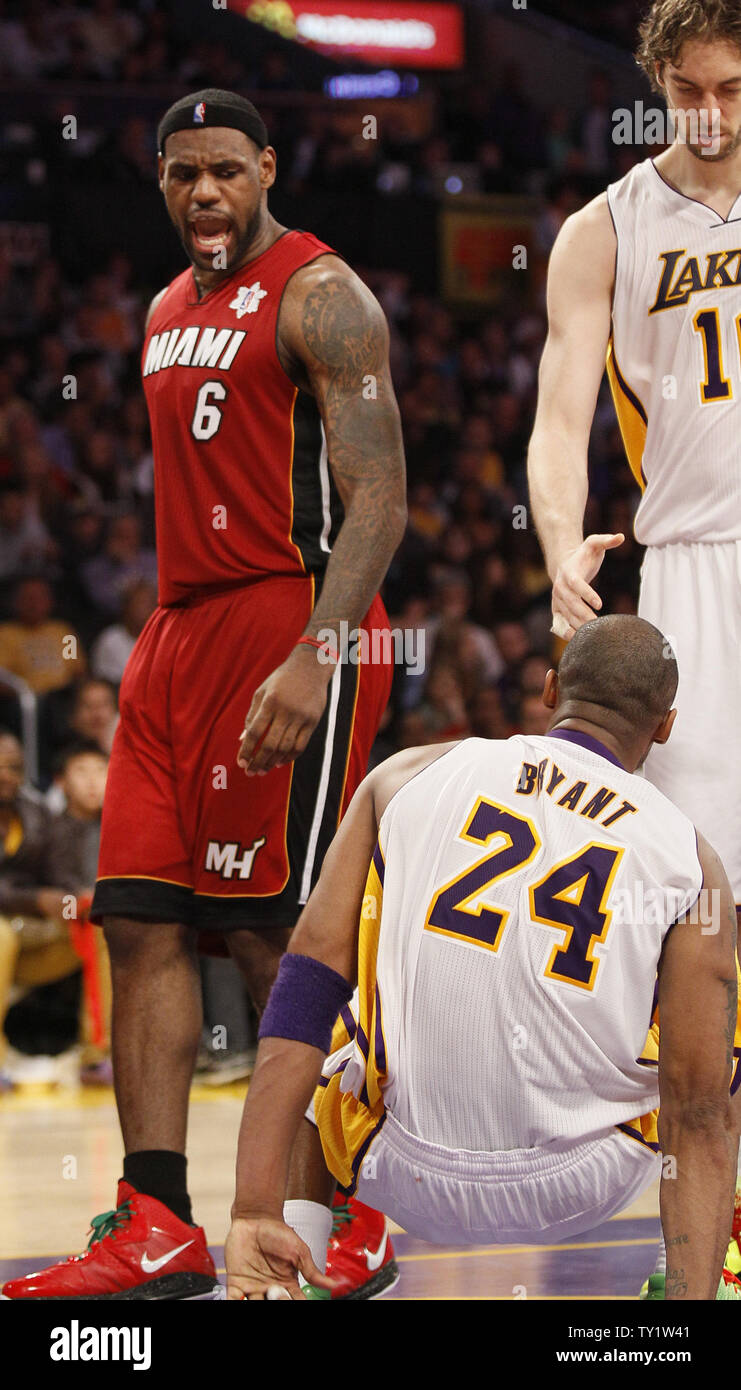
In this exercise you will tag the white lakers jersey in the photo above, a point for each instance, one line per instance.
(527, 887)
(674, 358)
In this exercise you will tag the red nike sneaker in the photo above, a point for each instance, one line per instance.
(141, 1250)
(360, 1255)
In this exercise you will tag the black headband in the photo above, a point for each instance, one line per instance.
(213, 107)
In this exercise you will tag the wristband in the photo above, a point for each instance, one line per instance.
(304, 1002)
(320, 646)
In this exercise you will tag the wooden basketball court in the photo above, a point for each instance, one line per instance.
(60, 1155)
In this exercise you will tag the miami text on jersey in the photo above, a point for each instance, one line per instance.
(193, 347)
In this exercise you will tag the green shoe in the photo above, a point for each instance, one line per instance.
(654, 1287)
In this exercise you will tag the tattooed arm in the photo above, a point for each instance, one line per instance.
(698, 1123)
(333, 342)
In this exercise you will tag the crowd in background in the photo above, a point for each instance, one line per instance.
(141, 41)
(614, 20)
(510, 142)
(78, 565)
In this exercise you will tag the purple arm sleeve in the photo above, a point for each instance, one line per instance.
(304, 1002)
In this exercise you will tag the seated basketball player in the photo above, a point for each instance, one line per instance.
(491, 1080)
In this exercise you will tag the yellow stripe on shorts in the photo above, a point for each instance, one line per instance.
(347, 1123)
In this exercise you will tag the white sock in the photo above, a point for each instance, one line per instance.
(313, 1223)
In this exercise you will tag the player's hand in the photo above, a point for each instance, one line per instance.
(285, 711)
(264, 1254)
(574, 601)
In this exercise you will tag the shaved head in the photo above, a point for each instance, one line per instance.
(624, 665)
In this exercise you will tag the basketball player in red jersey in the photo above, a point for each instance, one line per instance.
(280, 500)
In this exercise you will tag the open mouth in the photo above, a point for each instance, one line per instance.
(210, 232)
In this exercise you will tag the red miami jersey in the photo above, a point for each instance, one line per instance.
(242, 484)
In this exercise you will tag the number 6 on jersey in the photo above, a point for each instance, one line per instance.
(206, 417)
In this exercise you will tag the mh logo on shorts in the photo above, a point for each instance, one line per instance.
(222, 858)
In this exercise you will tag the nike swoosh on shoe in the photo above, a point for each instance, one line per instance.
(151, 1266)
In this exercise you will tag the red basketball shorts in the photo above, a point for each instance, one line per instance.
(186, 835)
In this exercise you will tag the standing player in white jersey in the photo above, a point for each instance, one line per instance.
(489, 1080)
(649, 273)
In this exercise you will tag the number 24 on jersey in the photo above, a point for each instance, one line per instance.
(571, 898)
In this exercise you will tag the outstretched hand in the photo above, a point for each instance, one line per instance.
(574, 601)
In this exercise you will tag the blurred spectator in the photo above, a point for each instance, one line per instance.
(444, 706)
(122, 562)
(34, 941)
(134, 156)
(15, 311)
(515, 122)
(39, 649)
(12, 409)
(427, 514)
(86, 712)
(511, 639)
(450, 630)
(74, 842)
(533, 672)
(113, 648)
(488, 717)
(108, 30)
(113, 329)
(414, 730)
(559, 142)
(534, 716)
(94, 713)
(25, 825)
(24, 539)
(75, 833)
(563, 199)
(595, 126)
(27, 49)
(102, 475)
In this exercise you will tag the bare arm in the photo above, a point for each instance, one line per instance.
(286, 1072)
(580, 281)
(333, 341)
(697, 1010)
(334, 331)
